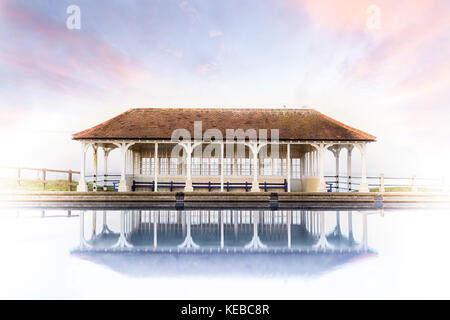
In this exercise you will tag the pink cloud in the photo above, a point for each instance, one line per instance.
(207, 68)
(63, 59)
(411, 34)
(213, 34)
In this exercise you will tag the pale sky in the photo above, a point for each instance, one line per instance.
(390, 79)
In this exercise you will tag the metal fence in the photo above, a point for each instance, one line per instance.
(383, 183)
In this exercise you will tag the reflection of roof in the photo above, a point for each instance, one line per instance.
(158, 123)
(148, 264)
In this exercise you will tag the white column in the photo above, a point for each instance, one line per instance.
(320, 155)
(349, 166)
(381, 189)
(254, 150)
(105, 166)
(336, 150)
(221, 165)
(288, 167)
(321, 147)
(189, 147)
(95, 148)
(124, 186)
(156, 163)
(82, 186)
(363, 186)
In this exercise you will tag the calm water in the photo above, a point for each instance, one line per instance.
(251, 253)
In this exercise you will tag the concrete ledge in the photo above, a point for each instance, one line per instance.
(210, 197)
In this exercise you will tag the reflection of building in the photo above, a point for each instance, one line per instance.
(290, 159)
(223, 231)
(225, 242)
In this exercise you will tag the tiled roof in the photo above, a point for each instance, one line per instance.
(159, 123)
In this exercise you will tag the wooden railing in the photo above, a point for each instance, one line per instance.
(44, 172)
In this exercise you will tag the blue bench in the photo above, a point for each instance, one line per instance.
(208, 185)
(151, 184)
(273, 185)
(329, 187)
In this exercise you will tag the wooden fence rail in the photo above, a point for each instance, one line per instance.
(44, 171)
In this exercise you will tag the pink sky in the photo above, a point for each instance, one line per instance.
(391, 82)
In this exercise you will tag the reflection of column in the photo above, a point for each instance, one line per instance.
(289, 228)
(83, 243)
(222, 242)
(351, 239)
(235, 223)
(94, 224)
(322, 243)
(337, 229)
(255, 243)
(364, 226)
(155, 230)
(188, 241)
(105, 229)
(122, 242)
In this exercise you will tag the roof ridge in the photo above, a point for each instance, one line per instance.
(223, 108)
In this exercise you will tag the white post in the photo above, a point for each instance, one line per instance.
(319, 167)
(82, 186)
(255, 184)
(94, 186)
(381, 182)
(124, 185)
(288, 167)
(349, 167)
(336, 150)
(105, 166)
(363, 186)
(189, 147)
(221, 165)
(156, 164)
